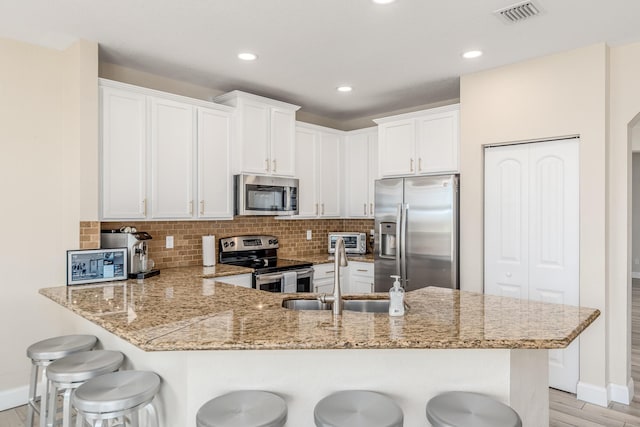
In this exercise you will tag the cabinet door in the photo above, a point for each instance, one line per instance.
(306, 166)
(124, 156)
(214, 177)
(437, 146)
(172, 159)
(254, 137)
(396, 148)
(329, 173)
(282, 139)
(357, 175)
(360, 277)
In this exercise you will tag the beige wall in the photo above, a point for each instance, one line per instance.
(47, 126)
(559, 95)
(625, 107)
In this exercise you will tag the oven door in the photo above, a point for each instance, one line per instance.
(276, 282)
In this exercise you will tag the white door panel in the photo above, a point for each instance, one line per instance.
(532, 233)
(506, 221)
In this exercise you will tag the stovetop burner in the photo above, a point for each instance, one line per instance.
(257, 252)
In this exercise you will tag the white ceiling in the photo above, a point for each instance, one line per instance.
(396, 56)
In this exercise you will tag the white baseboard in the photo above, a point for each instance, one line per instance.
(13, 397)
(593, 394)
(635, 274)
(620, 393)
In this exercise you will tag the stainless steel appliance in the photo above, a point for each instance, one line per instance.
(416, 232)
(354, 243)
(271, 273)
(137, 250)
(265, 195)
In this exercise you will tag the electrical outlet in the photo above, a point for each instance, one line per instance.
(636, 261)
(308, 234)
(169, 242)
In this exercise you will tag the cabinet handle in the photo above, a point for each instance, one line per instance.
(330, 272)
(419, 164)
(315, 289)
(316, 209)
(371, 287)
(191, 207)
(274, 165)
(201, 207)
(371, 208)
(266, 165)
(362, 269)
(144, 207)
(365, 208)
(322, 208)
(411, 166)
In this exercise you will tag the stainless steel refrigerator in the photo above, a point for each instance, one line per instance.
(416, 232)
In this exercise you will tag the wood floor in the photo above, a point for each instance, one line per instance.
(565, 409)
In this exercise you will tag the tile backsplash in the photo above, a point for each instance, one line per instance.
(187, 235)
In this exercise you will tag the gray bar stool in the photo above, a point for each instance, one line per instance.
(461, 409)
(243, 408)
(71, 372)
(42, 354)
(118, 394)
(357, 408)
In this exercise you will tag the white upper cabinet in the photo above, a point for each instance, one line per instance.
(265, 134)
(163, 156)
(419, 143)
(123, 154)
(360, 149)
(172, 159)
(318, 156)
(215, 198)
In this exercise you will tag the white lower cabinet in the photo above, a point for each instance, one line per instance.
(323, 278)
(243, 280)
(360, 277)
(356, 278)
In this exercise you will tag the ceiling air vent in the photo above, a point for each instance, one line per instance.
(518, 12)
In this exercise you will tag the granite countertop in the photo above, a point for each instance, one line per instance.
(182, 310)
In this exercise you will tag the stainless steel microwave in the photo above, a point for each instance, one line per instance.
(265, 195)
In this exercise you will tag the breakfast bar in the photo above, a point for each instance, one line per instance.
(205, 338)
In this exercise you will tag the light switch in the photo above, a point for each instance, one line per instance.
(169, 243)
(308, 234)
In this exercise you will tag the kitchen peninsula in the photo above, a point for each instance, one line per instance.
(205, 337)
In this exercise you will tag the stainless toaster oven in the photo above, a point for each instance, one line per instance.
(354, 243)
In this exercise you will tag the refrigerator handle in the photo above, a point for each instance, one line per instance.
(403, 244)
(399, 238)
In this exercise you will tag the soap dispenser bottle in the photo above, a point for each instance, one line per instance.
(396, 298)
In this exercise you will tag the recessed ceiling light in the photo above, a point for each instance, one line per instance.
(472, 54)
(247, 56)
(344, 89)
(383, 1)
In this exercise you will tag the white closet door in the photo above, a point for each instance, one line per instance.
(554, 251)
(532, 233)
(506, 221)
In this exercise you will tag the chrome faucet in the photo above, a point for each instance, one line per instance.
(340, 260)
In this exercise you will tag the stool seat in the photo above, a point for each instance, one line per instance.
(59, 347)
(79, 367)
(461, 409)
(243, 408)
(117, 391)
(357, 408)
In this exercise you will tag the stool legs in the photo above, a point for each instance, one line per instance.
(38, 368)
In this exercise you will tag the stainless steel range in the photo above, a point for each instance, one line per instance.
(271, 273)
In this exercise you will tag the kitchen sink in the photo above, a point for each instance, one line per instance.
(361, 305)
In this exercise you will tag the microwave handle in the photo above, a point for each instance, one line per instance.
(287, 198)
